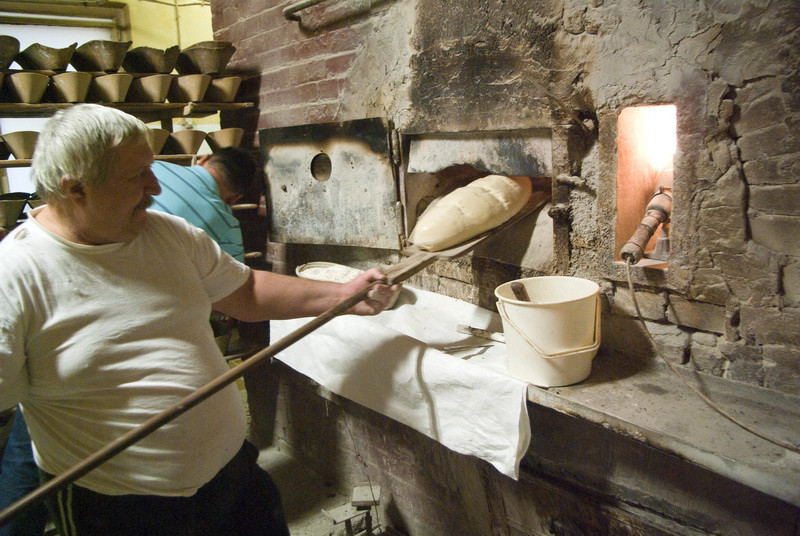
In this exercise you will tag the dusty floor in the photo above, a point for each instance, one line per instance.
(304, 494)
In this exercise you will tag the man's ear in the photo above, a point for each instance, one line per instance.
(73, 189)
(203, 159)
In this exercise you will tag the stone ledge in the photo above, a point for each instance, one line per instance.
(647, 402)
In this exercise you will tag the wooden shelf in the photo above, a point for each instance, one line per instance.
(15, 163)
(245, 206)
(147, 111)
(176, 158)
(48, 72)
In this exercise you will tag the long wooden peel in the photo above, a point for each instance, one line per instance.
(188, 402)
(394, 274)
(419, 259)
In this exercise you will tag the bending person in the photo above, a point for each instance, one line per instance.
(203, 194)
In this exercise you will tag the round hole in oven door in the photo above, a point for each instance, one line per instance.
(321, 167)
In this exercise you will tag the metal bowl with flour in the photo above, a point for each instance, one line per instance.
(330, 271)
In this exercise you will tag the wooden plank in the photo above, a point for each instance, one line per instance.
(24, 162)
(183, 159)
(147, 111)
(343, 513)
(366, 496)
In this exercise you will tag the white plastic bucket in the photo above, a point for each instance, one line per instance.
(551, 339)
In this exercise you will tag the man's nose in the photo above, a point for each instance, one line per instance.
(152, 187)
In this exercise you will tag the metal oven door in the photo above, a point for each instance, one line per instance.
(332, 183)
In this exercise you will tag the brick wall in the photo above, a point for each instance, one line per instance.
(578, 479)
(302, 73)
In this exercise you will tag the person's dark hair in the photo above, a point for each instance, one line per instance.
(238, 166)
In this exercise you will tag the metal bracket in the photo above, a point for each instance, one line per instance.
(394, 144)
(560, 212)
(290, 12)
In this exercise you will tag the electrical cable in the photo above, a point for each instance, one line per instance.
(359, 458)
(203, 3)
(705, 398)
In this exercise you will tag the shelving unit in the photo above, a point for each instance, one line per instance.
(163, 112)
(183, 159)
(147, 112)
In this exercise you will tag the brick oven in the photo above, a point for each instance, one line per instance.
(568, 92)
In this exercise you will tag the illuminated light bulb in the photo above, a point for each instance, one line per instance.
(660, 136)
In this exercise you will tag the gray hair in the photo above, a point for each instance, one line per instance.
(75, 144)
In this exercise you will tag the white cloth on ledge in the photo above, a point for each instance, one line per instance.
(392, 363)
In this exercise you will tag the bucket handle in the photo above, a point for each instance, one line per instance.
(596, 344)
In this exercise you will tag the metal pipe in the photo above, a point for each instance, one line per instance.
(658, 212)
(289, 12)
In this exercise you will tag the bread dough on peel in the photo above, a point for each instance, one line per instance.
(469, 211)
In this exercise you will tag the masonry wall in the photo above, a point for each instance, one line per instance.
(577, 479)
(730, 301)
(729, 304)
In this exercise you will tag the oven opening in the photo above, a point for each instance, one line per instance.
(646, 145)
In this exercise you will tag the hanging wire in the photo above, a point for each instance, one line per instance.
(178, 4)
(699, 393)
(360, 458)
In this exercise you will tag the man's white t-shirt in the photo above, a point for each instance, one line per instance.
(95, 340)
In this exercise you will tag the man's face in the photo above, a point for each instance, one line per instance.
(116, 210)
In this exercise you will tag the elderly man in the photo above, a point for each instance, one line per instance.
(201, 194)
(104, 309)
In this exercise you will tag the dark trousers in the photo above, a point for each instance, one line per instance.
(241, 500)
(19, 475)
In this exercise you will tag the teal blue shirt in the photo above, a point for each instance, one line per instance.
(192, 194)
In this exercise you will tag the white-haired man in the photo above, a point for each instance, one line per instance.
(104, 309)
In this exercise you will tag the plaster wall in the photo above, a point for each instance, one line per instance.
(160, 24)
(179, 23)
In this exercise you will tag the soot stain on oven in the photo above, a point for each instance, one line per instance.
(517, 155)
(459, 74)
(478, 81)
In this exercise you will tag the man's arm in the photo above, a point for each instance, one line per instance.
(270, 296)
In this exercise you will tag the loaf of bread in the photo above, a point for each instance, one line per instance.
(469, 211)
